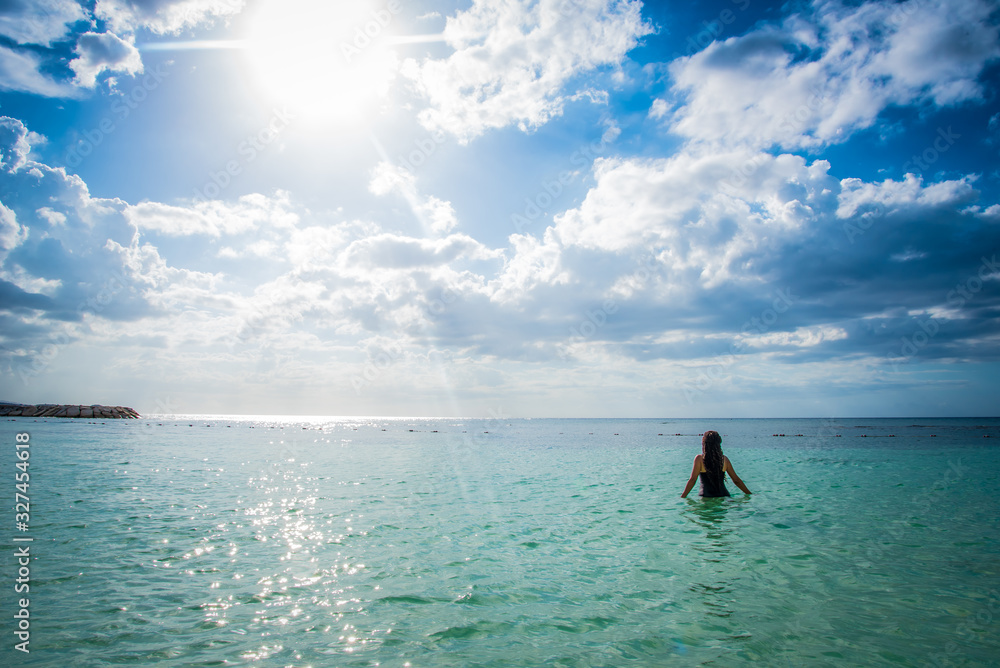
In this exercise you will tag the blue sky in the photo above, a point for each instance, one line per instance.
(501, 207)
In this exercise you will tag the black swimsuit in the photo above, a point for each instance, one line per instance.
(709, 486)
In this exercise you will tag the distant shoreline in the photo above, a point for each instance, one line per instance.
(68, 411)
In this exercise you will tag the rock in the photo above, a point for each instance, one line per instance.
(68, 411)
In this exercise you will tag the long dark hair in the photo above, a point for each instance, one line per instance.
(711, 449)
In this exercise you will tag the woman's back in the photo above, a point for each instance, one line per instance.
(713, 484)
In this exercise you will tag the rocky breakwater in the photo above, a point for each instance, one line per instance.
(68, 411)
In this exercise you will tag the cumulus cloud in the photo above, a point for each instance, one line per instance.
(20, 71)
(822, 75)
(534, 264)
(14, 144)
(12, 234)
(61, 266)
(909, 193)
(677, 258)
(80, 271)
(689, 250)
(40, 22)
(390, 251)
(45, 23)
(164, 16)
(212, 218)
(76, 272)
(99, 52)
(514, 60)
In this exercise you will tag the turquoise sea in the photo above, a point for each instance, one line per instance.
(268, 541)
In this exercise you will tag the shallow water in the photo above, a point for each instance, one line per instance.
(194, 540)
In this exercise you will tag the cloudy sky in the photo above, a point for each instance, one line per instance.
(571, 208)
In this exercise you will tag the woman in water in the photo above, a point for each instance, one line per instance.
(712, 466)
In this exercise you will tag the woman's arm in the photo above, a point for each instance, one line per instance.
(736, 478)
(694, 475)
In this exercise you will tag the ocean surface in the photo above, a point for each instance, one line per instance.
(234, 541)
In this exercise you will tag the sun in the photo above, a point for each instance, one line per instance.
(324, 59)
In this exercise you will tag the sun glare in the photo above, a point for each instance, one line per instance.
(325, 60)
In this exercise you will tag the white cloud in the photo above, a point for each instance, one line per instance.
(801, 337)
(164, 16)
(659, 109)
(14, 144)
(316, 247)
(213, 218)
(44, 23)
(388, 178)
(40, 22)
(21, 72)
(69, 255)
(97, 52)
(11, 233)
(818, 77)
(891, 196)
(513, 60)
(391, 251)
(665, 256)
(52, 217)
(434, 214)
(696, 211)
(439, 214)
(533, 263)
